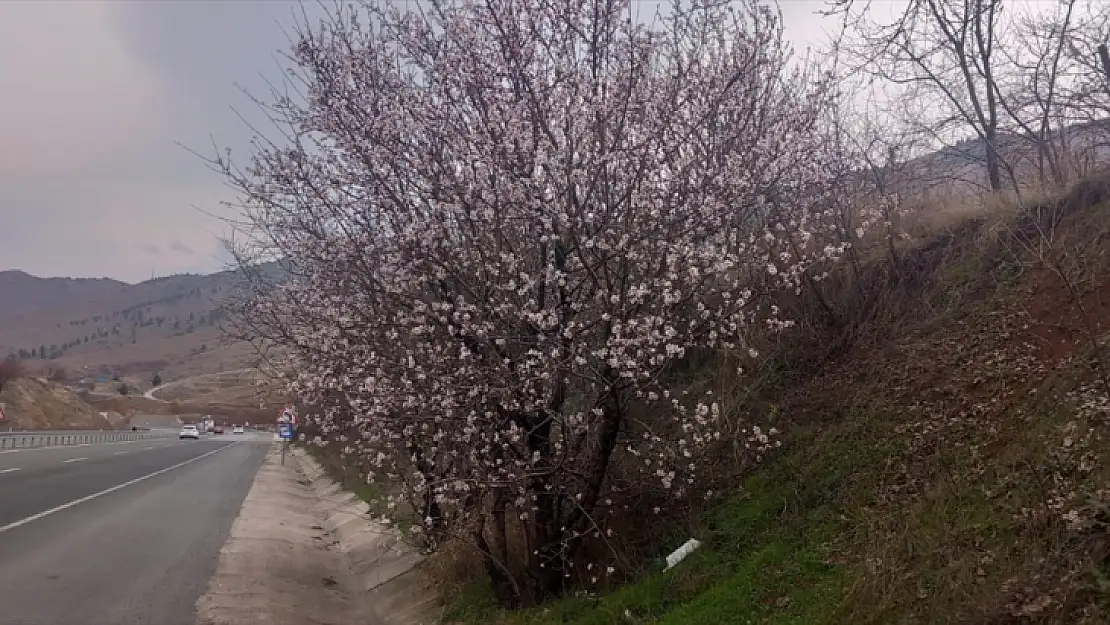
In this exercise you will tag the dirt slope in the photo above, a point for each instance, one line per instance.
(34, 403)
(946, 456)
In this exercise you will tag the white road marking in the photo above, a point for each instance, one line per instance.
(74, 460)
(147, 448)
(8, 470)
(66, 506)
(119, 453)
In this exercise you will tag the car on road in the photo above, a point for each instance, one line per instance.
(237, 429)
(219, 429)
(189, 431)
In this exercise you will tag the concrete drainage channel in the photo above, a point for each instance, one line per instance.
(28, 440)
(305, 551)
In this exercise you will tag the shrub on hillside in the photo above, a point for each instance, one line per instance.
(55, 373)
(11, 369)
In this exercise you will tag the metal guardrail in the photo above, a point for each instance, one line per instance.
(28, 440)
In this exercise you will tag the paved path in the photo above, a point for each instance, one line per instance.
(118, 533)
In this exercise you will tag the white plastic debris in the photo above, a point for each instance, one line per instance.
(678, 555)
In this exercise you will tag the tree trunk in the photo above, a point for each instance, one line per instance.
(496, 552)
(548, 562)
(994, 167)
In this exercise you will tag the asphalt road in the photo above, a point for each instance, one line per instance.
(118, 533)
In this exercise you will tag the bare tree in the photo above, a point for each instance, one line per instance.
(1025, 83)
(944, 55)
(1034, 90)
(1088, 95)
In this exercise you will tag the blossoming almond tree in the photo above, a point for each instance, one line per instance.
(507, 220)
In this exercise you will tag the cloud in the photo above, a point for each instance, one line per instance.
(73, 95)
(96, 98)
(178, 246)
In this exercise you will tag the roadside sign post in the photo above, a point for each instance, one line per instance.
(285, 430)
(287, 425)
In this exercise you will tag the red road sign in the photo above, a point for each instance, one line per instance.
(288, 415)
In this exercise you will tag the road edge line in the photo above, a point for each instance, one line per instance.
(22, 449)
(107, 491)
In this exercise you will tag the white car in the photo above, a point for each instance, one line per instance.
(189, 431)
(237, 429)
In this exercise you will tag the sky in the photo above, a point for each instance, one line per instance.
(102, 103)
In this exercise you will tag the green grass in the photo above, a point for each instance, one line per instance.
(793, 544)
(772, 552)
(346, 477)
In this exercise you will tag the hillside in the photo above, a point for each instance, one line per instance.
(98, 329)
(36, 404)
(944, 459)
(22, 293)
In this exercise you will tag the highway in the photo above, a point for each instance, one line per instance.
(118, 533)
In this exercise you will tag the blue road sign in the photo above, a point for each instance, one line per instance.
(286, 431)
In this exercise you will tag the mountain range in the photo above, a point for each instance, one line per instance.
(104, 327)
